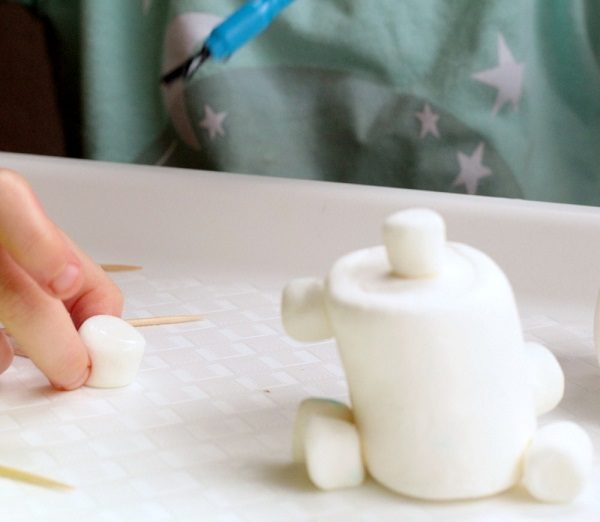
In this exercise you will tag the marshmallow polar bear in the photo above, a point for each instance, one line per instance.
(445, 392)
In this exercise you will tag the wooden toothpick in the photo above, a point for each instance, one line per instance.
(32, 478)
(137, 322)
(120, 268)
(167, 319)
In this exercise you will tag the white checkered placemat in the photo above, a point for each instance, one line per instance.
(205, 431)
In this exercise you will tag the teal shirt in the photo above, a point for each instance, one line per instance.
(498, 97)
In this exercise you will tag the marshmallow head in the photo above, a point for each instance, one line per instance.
(415, 241)
(116, 349)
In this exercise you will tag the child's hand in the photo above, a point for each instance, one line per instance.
(48, 287)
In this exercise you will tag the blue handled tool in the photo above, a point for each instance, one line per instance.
(244, 24)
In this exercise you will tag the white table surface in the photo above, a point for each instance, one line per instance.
(204, 433)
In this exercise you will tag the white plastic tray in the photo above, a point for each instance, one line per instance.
(204, 433)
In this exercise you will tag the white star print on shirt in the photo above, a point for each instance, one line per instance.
(213, 122)
(507, 77)
(428, 120)
(471, 169)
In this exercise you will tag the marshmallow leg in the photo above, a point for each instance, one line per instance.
(116, 349)
(332, 452)
(558, 462)
(303, 310)
(308, 409)
(547, 377)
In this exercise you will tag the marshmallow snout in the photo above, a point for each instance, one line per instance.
(116, 349)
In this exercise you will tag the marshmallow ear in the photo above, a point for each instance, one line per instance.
(303, 310)
(415, 241)
(116, 349)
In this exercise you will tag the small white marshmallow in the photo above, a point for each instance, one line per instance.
(597, 328)
(547, 377)
(333, 453)
(307, 410)
(415, 241)
(303, 310)
(116, 349)
(558, 462)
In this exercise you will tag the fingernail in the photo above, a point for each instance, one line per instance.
(65, 280)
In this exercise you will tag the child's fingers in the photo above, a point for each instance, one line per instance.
(98, 294)
(40, 267)
(33, 241)
(41, 326)
(7, 353)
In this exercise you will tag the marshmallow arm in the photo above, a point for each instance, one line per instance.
(547, 378)
(303, 310)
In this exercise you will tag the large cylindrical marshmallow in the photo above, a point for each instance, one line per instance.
(415, 241)
(333, 454)
(558, 462)
(547, 378)
(116, 349)
(434, 359)
(308, 409)
(303, 310)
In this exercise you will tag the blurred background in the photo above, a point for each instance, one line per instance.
(29, 112)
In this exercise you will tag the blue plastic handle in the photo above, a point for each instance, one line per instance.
(243, 25)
